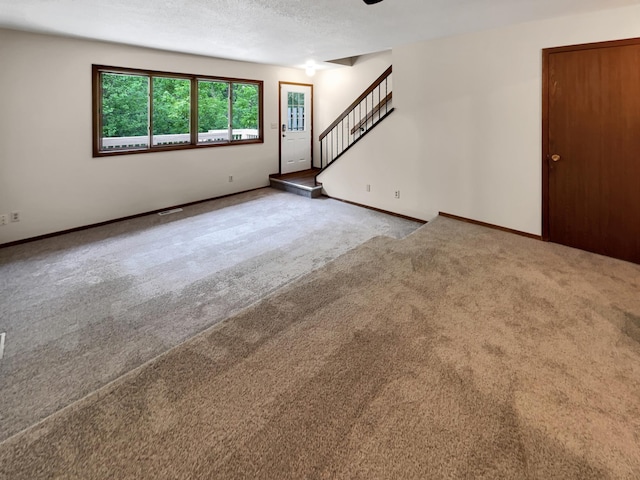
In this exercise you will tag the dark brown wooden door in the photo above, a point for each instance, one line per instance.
(594, 150)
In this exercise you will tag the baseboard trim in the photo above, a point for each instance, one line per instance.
(399, 215)
(490, 225)
(115, 220)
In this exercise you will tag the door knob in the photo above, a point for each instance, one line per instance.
(555, 157)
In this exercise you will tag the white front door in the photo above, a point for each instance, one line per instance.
(295, 127)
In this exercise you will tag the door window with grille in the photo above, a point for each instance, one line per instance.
(296, 111)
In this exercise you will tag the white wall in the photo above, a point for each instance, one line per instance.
(45, 96)
(466, 134)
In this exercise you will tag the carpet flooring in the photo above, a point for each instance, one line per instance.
(82, 309)
(457, 352)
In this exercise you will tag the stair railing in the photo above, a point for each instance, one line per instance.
(357, 120)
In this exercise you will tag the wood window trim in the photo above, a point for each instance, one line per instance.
(97, 107)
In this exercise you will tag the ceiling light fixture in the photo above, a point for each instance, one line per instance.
(310, 69)
(371, 2)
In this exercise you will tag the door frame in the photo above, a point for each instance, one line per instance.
(280, 84)
(546, 93)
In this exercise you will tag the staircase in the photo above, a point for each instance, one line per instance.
(367, 111)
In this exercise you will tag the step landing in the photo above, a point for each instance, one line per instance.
(303, 190)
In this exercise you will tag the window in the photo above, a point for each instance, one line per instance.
(143, 111)
(295, 111)
(125, 111)
(245, 109)
(213, 111)
(171, 108)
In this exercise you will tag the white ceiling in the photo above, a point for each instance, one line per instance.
(279, 32)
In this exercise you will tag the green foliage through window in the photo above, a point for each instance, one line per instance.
(171, 110)
(213, 106)
(245, 105)
(136, 105)
(125, 105)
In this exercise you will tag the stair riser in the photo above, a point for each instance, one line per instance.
(309, 192)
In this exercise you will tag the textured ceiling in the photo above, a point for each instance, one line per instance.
(279, 32)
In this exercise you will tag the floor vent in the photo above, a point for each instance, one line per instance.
(169, 212)
(2, 335)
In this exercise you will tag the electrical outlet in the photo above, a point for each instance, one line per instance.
(4, 219)
(397, 194)
(368, 188)
(230, 178)
(15, 216)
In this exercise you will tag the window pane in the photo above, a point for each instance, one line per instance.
(295, 111)
(213, 111)
(125, 111)
(245, 111)
(171, 111)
